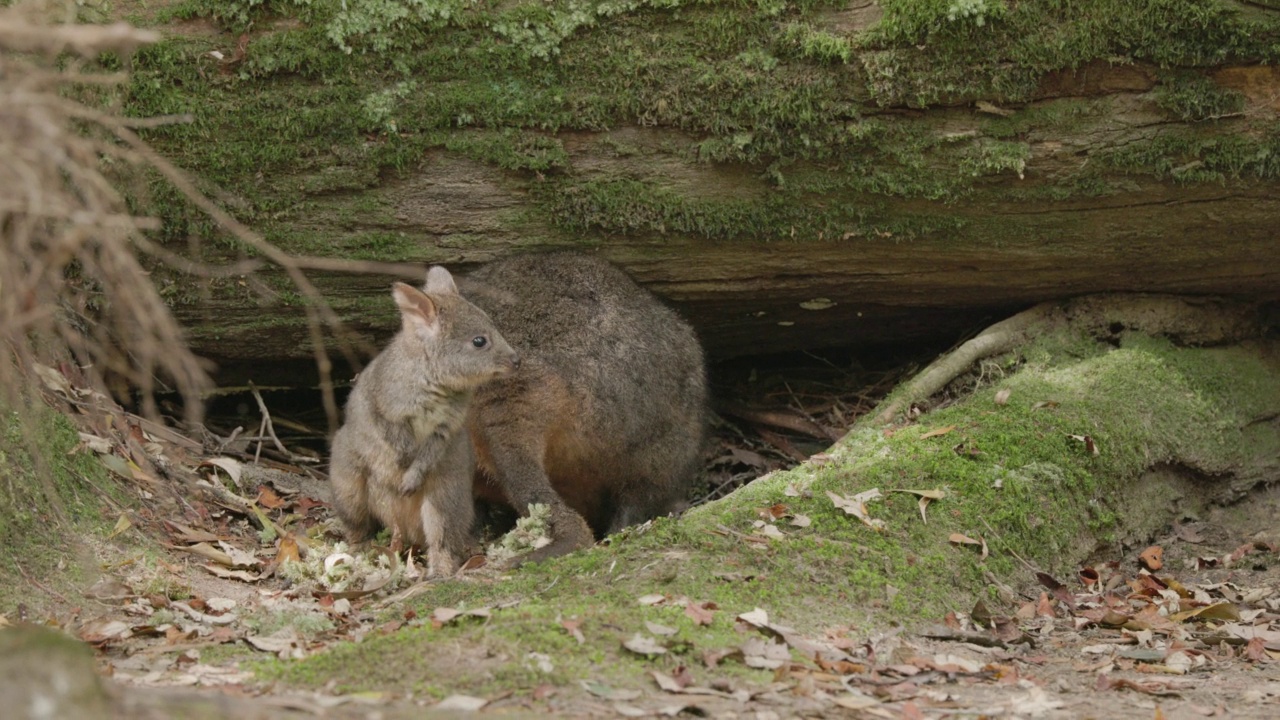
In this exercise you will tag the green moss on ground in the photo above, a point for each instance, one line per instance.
(1013, 473)
(50, 497)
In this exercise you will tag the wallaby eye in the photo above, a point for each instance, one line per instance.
(479, 341)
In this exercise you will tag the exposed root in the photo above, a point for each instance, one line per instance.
(1188, 321)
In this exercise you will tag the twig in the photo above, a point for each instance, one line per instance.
(1010, 550)
(35, 582)
(784, 420)
(262, 428)
(271, 432)
(782, 445)
(222, 444)
(722, 489)
(319, 313)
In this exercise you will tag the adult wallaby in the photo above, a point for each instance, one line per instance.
(605, 419)
(403, 458)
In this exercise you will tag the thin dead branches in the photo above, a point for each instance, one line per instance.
(71, 283)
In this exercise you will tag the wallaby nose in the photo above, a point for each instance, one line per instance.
(515, 362)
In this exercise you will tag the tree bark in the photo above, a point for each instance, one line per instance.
(824, 177)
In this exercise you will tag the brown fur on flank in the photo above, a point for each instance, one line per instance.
(403, 458)
(605, 419)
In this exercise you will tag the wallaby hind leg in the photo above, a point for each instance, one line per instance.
(634, 508)
(448, 510)
(642, 500)
(660, 484)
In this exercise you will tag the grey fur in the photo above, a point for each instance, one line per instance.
(605, 420)
(403, 458)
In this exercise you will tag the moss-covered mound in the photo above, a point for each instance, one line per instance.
(1045, 475)
(53, 494)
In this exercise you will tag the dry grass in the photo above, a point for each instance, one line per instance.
(71, 285)
(75, 291)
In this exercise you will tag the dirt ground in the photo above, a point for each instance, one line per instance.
(186, 608)
(1062, 666)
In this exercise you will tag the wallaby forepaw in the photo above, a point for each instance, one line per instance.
(410, 485)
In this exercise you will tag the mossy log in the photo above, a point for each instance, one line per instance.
(789, 174)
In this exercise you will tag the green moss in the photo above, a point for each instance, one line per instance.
(313, 145)
(805, 41)
(1195, 98)
(1013, 475)
(1061, 116)
(933, 50)
(757, 85)
(995, 156)
(48, 495)
(510, 149)
(641, 207)
(1192, 156)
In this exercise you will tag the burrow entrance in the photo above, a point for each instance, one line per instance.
(772, 412)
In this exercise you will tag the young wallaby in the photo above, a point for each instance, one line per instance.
(605, 419)
(403, 457)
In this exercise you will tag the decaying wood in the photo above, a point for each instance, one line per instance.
(1186, 321)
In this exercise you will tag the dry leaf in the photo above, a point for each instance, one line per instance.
(939, 431)
(1152, 558)
(771, 531)
(961, 539)
(208, 552)
(651, 599)
(124, 523)
(280, 643)
(757, 618)
(657, 629)
(575, 629)
(700, 613)
(288, 550)
(986, 107)
(765, 653)
(443, 615)
(856, 701)
(772, 513)
(1223, 611)
(270, 499)
(925, 497)
(666, 682)
(191, 535)
(224, 573)
(1002, 396)
(820, 459)
(461, 703)
(644, 645)
(856, 506)
(1089, 446)
(96, 444)
(230, 466)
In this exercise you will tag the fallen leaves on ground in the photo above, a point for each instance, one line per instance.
(857, 506)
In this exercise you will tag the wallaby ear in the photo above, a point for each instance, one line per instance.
(440, 282)
(415, 306)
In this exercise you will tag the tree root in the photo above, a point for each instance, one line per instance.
(1186, 321)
